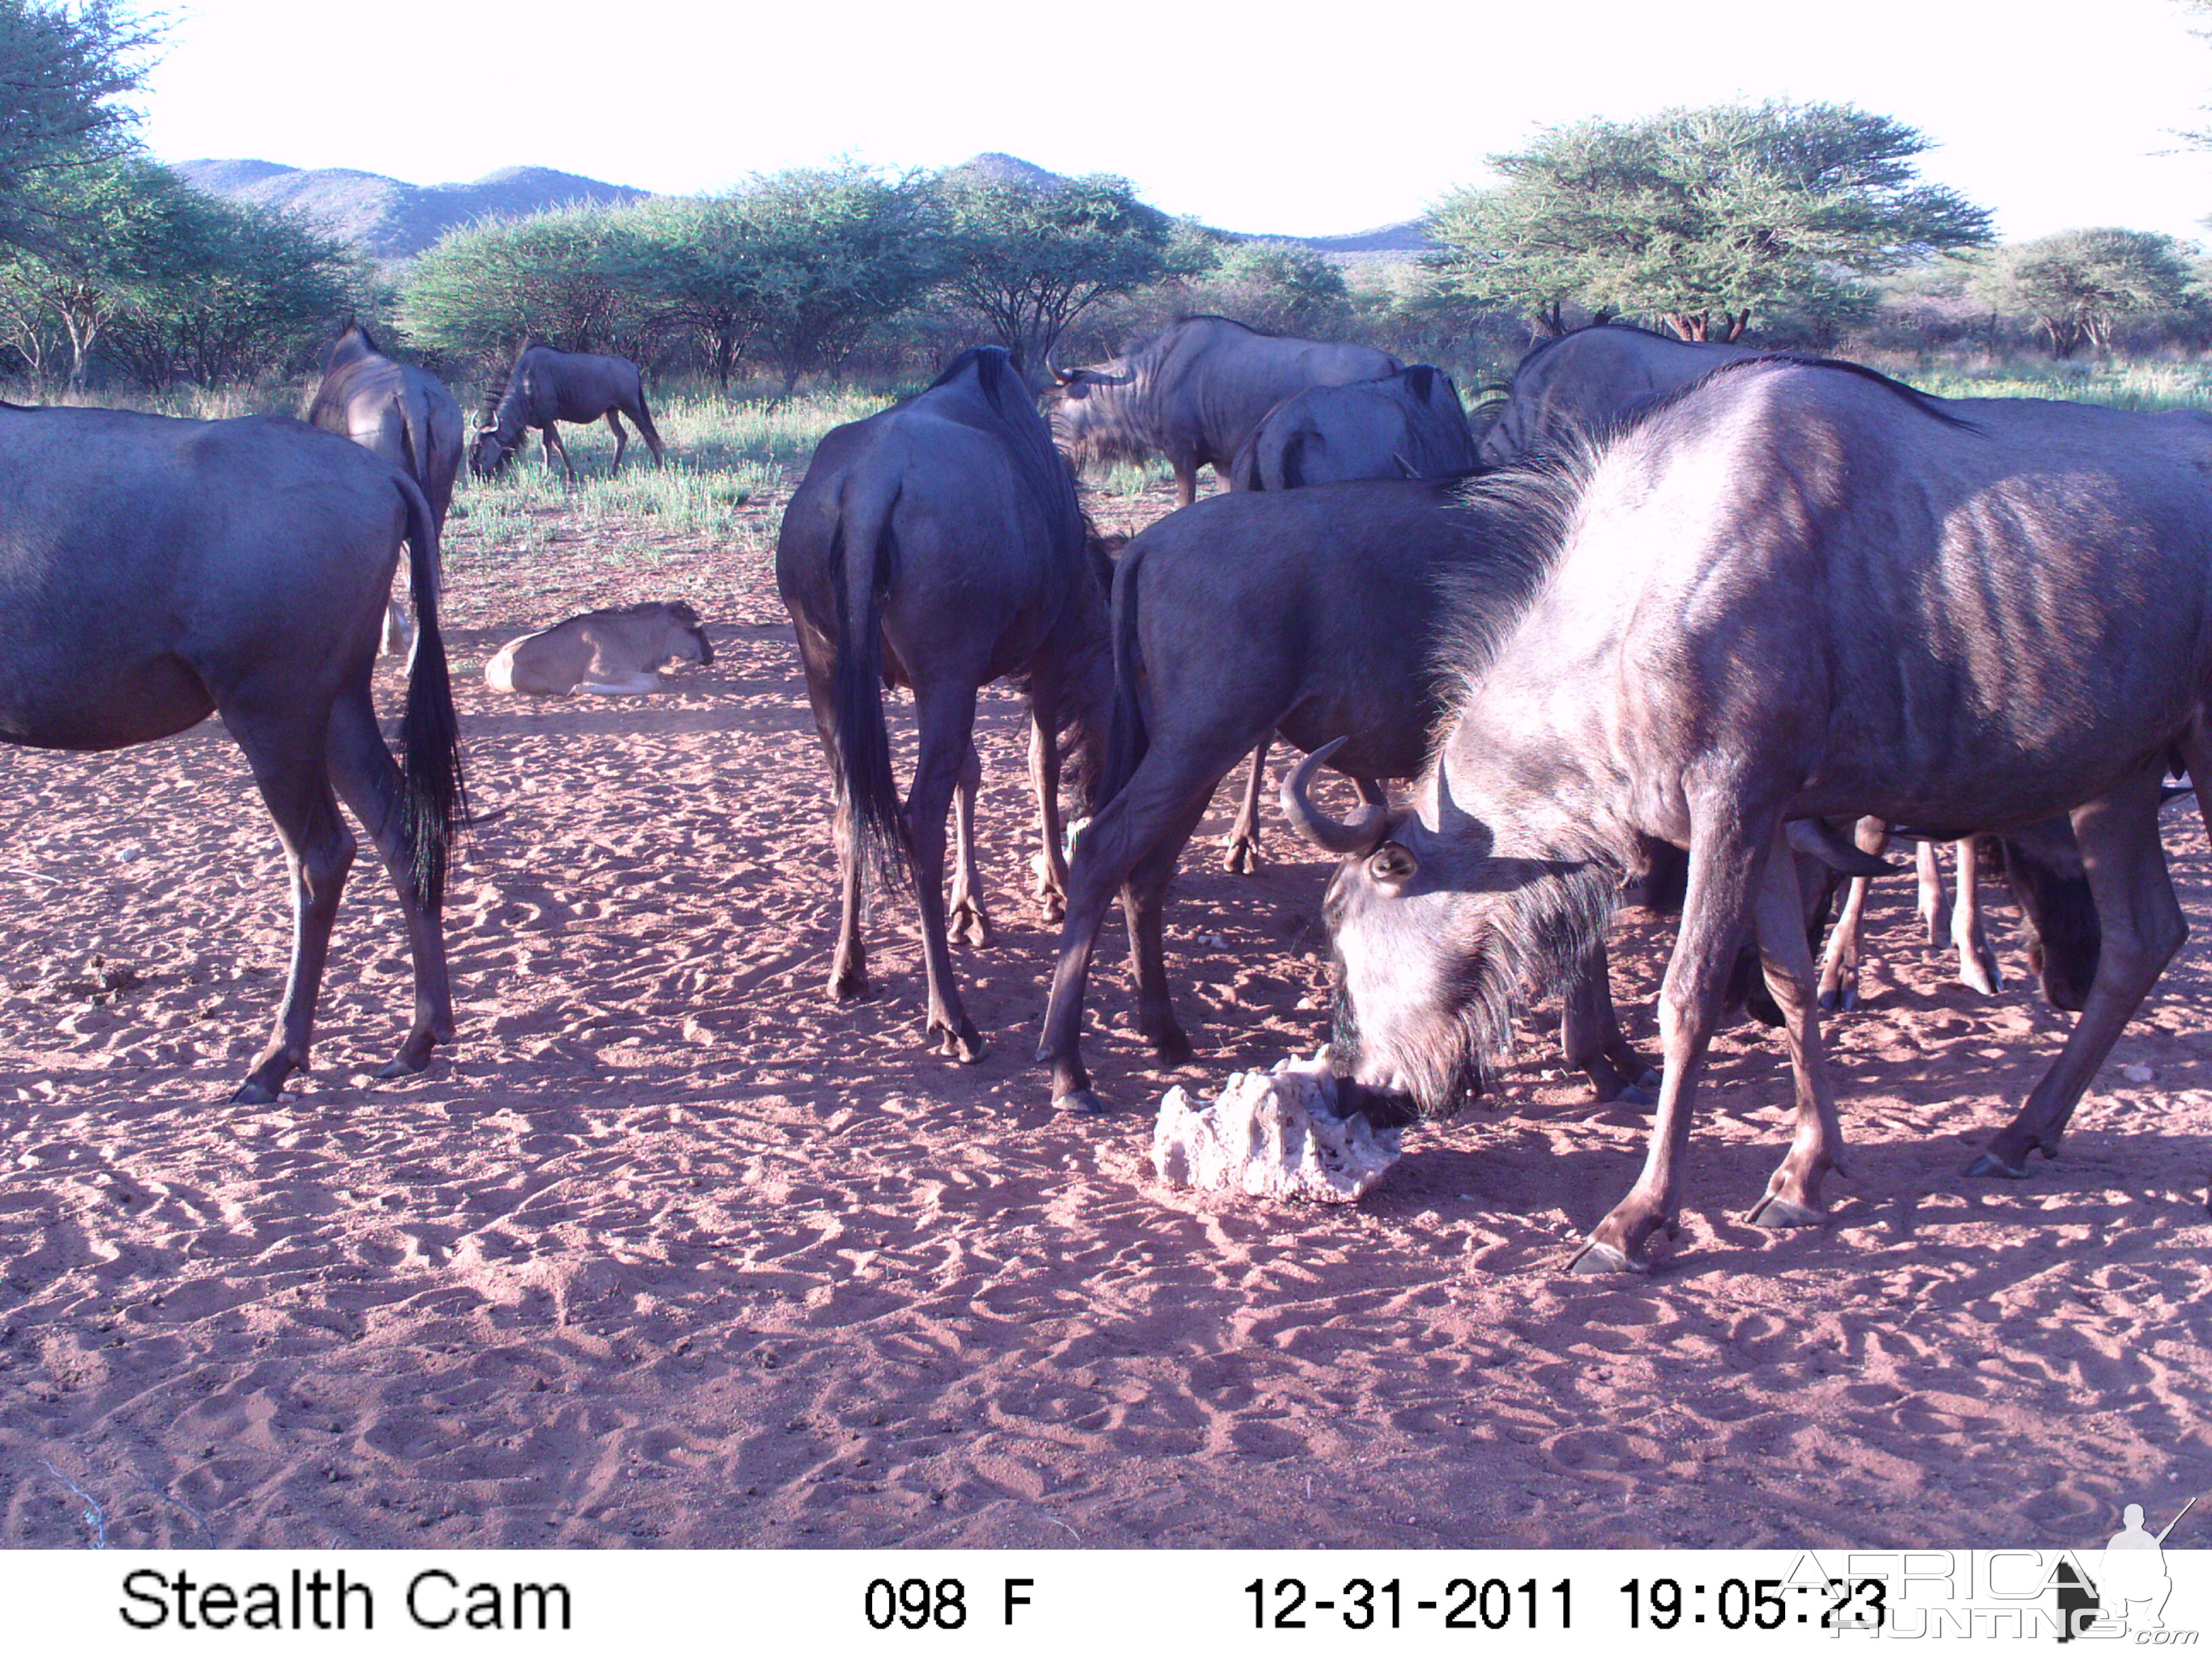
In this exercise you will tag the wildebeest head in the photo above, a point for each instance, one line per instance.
(1088, 411)
(489, 453)
(1435, 935)
(687, 620)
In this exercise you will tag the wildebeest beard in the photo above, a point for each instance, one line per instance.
(1530, 936)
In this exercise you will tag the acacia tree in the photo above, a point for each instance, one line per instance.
(141, 233)
(2080, 285)
(574, 277)
(840, 250)
(1693, 216)
(1029, 258)
(703, 268)
(62, 67)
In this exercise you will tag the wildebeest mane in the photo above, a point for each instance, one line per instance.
(1928, 404)
(1527, 510)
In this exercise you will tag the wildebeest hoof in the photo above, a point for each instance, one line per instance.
(1240, 856)
(965, 1045)
(1832, 1000)
(1597, 1257)
(1979, 972)
(1776, 1211)
(1988, 1163)
(1635, 1094)
(250, 1093)
(969, 925)
(1081, 1103)
(848, 987)
(399, 1065)
(1171, 1045)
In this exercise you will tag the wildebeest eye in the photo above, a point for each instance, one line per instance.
(1392, 863)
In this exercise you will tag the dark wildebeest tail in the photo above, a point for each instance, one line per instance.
(1127, 740)
(645, 422)
(863, 555)
(433, 802)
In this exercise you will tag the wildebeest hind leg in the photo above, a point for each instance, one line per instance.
(1928, 899)
(967, 921)
(369, 779)
(285, 745)
(1590, 1037)
(1727, 855)
(1793, 1194)
(947, 716)
(1839, 964)
(622, 439)
(2142, 928)
(1044, 784)
(849, 969)
(1977, 963)
(1240, 847)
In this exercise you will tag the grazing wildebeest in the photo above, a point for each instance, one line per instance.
(621, 649)
(154, 571)
(1581, 385)
(1406, 425)
(546, 386)
(1195, 392)
(938, 545)
(1801, 589)
(404, 414)
(1311, 613)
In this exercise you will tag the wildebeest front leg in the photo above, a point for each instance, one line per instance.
(2142, 928)
(1240, 853)
(1144, 908)
(622, 439)
(554, 445)
(1929, 897)
(947, 717)
(369, 780)
(967, 921)
(286, 749)
(1977, 963)
(1793, 1195)
(1590, 1039)
(1727, 858)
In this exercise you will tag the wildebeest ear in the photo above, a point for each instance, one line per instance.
(1393, 863)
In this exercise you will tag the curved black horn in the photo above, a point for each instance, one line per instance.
(1345, 840)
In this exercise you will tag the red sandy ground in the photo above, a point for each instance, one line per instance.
(668, 1250)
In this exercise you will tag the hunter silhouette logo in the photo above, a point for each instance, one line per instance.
(2128, 1590)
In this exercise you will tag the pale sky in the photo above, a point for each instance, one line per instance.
(1284, 117)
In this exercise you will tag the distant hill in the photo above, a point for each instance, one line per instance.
(388, 218)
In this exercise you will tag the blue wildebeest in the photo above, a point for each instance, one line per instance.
(1800, 590)
(401, 412)
(1195, 392)
(1582, 385)
(938, 545)
(546, 386)
(154, 571)
(1311, 613)
(1406, 425)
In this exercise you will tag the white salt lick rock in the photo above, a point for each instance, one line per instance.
(1271, 1134)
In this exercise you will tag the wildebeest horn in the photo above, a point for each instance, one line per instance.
(1345, 840)
(1819, 839)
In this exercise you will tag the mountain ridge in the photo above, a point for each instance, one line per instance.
(391, 219)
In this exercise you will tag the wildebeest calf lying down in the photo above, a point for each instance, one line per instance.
(1799, 590)
(617, 650)
(1311, 612)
